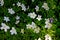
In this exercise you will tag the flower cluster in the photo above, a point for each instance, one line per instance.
(48, 24)
(5, 27)
(34, 27)
(22, 6)
(34, 16)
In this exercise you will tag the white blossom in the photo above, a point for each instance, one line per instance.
(35, 39)
(1, 2)
(17, 17)
(22, 31)
(13, 31)
(6, 19)
(18, 4)
(11, 11)
(47, 24)
(45, 6)
(33, 0)
(39, 38)
(13, 4)
(37, 30)
(28, 26)
(46, 21)
(32, 15)
(39, 17)
(31, 26)
(48, 37)
(23, 7)
(5, 27)
(17, 22)
(37, 8)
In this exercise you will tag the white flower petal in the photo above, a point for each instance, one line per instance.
(37, 8)
(23, 7)
(48, 37)
(18, 4)
(17, 22)
(17, 17)
(22, 31)
(39, 18)
(39, 38)
(13, 31)
(45, 6)
(32, 15)
(1, 2)
(11, 11)
(33, 0)
(5, 27)
(6, 19)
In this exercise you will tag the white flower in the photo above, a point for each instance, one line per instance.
(39, 17)
(45, 6)
(28, 26)
(33, 0)
(39, 38)
(11, 11)
(5, 27)
(48, 37)
(34, 27)
(37, 30)
(23, 7)
(31, 26)
(17, 22)
(37, 8)
(48, 26)
(35, 39)
(13, 31)
(18, 4)
(32, 15)
(22, 31)
(13, 4)
(1, 2)
(17, 17)
(6, 19)
(46, 21)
